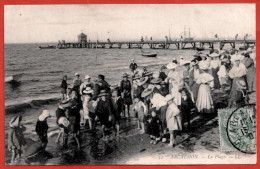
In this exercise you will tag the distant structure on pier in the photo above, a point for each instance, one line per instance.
(82, 38)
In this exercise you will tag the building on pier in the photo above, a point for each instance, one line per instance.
(82, 38)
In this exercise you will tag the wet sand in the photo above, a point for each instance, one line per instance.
(128, 148)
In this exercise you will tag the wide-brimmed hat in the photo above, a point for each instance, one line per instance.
(14, 122)
(64, 121)
(163, 83)
(156, 81)
(125, 75)
(87, 77)
(241, 84)
(142, 81)
(76, 74)
(184, 63)
(163, 67)
(214, 55)
(148, 73)
(44, 115)
(148, 91)
(171, 66)
(65, 103)
(102, 94)
(236, 57)
(87, 90)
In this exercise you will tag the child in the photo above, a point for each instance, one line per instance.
(241, 95)
(117, 103)
(42, 128)
(141, 110)
(16, 137)
(153, 127)
(173, 119)
(186, 106)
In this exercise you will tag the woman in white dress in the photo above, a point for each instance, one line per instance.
(175, 79)
(204, 101)
(237, 72)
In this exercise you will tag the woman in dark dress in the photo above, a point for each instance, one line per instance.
(125, 88)
(63, 87)
(42, 128)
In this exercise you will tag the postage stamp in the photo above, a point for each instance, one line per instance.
(238, 129)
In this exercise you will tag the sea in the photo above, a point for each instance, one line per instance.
(42, 69)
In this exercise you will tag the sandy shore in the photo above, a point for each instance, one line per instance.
(129, 148)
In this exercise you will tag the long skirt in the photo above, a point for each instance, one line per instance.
(233, 90)
(194, 89)
(216, 79)
(204, 101)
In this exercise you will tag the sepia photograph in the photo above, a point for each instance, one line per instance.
(130, 84)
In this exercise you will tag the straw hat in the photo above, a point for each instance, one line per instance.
(87, 90)
(45, 114)
(241, 84)
(87, 77)
(236, 57)
(64, 121)
(65, 104)
(102, 93)
(184, 62)
(77, 74)
(171, 66)
(14, 122)
(142, 81)
(156, 81)
(148, 91)
(214, 55)
(125, 75)
(148, 73)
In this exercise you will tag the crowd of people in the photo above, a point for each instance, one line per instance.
(161, 104)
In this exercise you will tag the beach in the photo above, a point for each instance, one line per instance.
(38, 89)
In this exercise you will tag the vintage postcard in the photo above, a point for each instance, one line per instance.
(136, 84)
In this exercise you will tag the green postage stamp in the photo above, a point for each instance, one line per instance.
(238, 129)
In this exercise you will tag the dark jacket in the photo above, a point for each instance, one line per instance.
(162, 76)
(64, 84)
(16, 137)
(125, 86)
(133, 66)
(60, 113)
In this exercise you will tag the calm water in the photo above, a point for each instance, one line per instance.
(43, 69)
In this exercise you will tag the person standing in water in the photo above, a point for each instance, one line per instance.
(125, 88)
(63, 87)
(42, 127)
(133, 66)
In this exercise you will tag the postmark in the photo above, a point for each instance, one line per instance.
(238, 129)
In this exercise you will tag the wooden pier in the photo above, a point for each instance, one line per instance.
(157, 44)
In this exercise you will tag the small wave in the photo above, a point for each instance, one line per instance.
(16, 108)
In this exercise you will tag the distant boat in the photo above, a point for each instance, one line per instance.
(13, 78)
(200, 48)
(47, 47)
(148, 54)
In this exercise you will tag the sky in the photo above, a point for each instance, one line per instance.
(51, 23)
